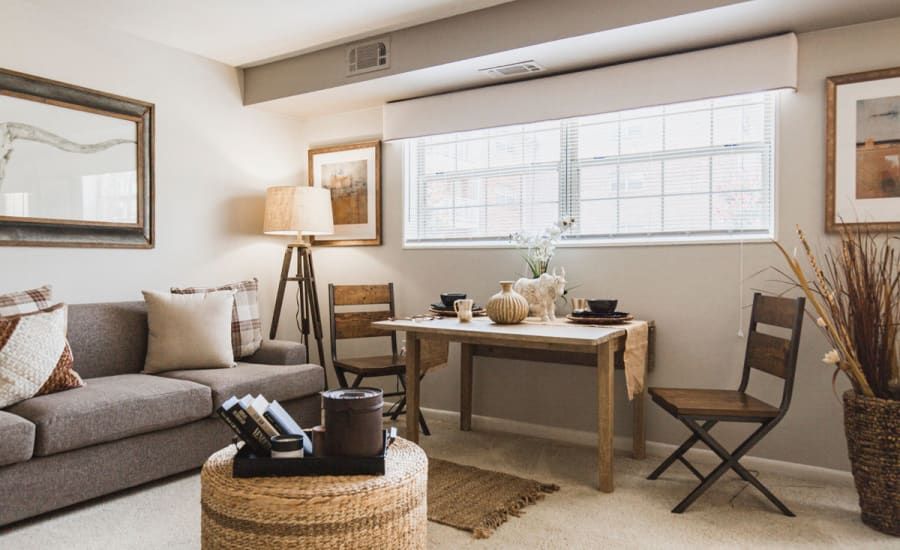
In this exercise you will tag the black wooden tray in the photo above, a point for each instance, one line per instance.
(246, 464)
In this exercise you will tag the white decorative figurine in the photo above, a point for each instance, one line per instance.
(542, 293)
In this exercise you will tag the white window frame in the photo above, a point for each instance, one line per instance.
(686, 238)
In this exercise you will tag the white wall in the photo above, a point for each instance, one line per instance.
(214, 158)
(691, 291)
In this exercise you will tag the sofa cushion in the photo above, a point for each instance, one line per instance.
(111, 408)
(280, 382)
(16, 439)
(108, 339)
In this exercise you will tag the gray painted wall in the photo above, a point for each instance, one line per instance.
(691, 291)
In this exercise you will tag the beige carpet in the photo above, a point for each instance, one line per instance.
(478, 500)
(166, 515)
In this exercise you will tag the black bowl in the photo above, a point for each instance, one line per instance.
(448, 298)
(602, 306)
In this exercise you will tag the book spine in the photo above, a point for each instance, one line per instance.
(226, 416)
(275, 424)
(254, 435)
(269, 429)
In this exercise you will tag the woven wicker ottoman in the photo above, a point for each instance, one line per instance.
(353, 512)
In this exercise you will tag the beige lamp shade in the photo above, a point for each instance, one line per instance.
(298, 210)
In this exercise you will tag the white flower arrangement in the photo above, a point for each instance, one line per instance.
(541, 246)
(832, 357)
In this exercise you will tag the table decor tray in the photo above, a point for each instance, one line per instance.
(246, 464)
(599, 320)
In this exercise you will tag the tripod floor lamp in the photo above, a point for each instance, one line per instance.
(300, 211)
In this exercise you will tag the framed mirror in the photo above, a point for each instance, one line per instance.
(76, 166)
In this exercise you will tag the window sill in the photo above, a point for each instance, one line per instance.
(606, 243)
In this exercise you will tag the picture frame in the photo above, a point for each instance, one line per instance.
(863, 150)
(353, 174)
(76, 166)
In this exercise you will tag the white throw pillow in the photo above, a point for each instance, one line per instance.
(188, 331)
(32, 346)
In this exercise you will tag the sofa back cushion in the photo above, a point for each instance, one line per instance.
(108, 339)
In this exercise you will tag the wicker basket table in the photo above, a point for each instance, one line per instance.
(355, 512)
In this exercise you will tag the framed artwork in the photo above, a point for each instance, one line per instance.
(76, 166)
(863, 150)
(353, 175)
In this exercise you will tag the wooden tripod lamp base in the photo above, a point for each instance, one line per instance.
(299, 210)
(309, 317)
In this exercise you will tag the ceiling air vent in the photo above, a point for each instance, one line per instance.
(366, 57)
(513, 69)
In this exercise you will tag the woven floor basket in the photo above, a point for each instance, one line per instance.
(873, 442)
(355, 512)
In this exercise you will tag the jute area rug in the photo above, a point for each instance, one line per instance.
(478, 500)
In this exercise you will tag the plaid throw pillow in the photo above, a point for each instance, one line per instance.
(246, 327)
(25, 301)
(35, 358)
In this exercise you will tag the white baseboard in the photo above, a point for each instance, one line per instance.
(623, 443)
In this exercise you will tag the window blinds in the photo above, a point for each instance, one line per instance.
(687, 171)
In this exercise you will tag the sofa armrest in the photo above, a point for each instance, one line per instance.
(279, 352)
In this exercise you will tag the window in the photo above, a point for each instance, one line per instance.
(696, 171)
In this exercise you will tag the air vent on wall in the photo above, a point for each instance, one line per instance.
(513, 69)
(366, 57)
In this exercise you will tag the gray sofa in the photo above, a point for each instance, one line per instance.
(124, 428)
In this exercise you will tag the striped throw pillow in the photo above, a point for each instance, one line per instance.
(25, 301)
(246, 326)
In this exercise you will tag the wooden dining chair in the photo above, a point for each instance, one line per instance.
(358, 324)
(765, 352)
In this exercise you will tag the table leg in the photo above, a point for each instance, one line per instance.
(638, 430)
(413, 368)
(605, 409)
(465, 387)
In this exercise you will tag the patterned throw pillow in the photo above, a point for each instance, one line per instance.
(25, 301)
(246, 327)
(35, 358)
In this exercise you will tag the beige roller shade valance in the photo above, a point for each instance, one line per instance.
(758, 65)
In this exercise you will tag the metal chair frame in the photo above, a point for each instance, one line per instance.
(730, 460)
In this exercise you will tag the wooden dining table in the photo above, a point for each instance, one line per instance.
(585, 345)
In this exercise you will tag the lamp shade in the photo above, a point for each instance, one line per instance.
(298, 210)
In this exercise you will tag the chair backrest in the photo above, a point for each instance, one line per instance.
(769, 353)
(358, 324)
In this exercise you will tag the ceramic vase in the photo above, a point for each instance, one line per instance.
(507, 307)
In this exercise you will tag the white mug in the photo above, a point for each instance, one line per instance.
(463, 309)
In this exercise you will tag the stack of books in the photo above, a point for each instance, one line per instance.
(255, 421)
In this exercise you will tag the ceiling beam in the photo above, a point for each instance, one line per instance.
(470, 35)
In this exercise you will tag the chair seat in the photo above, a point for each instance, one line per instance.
(379, 365)
(717, 403)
